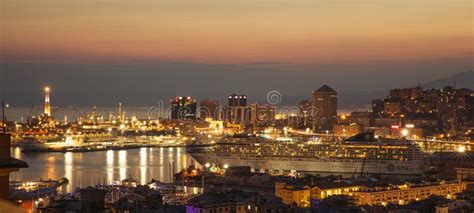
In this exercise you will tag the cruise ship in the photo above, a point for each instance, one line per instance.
(362, 154)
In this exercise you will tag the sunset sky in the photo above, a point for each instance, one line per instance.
(237, 31)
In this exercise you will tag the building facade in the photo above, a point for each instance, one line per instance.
(209, 108)
(183, 108)
(406, 193)
(325, 106)
(262, 114)
(236, 111)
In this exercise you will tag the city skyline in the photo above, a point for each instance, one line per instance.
(86, 88)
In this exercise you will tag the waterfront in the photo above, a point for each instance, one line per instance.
(90, 168)
(21, 114)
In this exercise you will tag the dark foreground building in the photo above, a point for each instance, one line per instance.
(236, 201)
(7, 165)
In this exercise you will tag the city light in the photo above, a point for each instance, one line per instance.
(279, 106)
(404, 132)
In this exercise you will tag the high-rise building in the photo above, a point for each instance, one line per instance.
(392, 106)
(325, 106)
(262, 114)
(209, 109)
(407, 93)
(47, 102)
(237, 100)
(183, 108)
(470, 108)
(237, 111)
(377, 107)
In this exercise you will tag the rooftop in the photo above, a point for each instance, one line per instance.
(325, 88)
(12, 163)
(220, 198)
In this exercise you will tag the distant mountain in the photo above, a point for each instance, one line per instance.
(462, 80)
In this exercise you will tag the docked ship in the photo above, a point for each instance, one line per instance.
(362, 154)
(33, 144)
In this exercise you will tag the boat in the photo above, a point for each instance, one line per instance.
(30, 190)
(33, 144)
(362, 154)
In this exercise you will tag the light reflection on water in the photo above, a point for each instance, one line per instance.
(90, 168)
(110, 166)
(122, 164)
(68, 167)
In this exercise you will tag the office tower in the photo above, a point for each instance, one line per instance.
(325, 106)
(262, 114)
(183, 108)
(236, 111)
(209, 109)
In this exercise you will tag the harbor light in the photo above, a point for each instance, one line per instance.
(461, 149)
(47, 101)
(404, 132)
(207, 165)
(226, 166)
